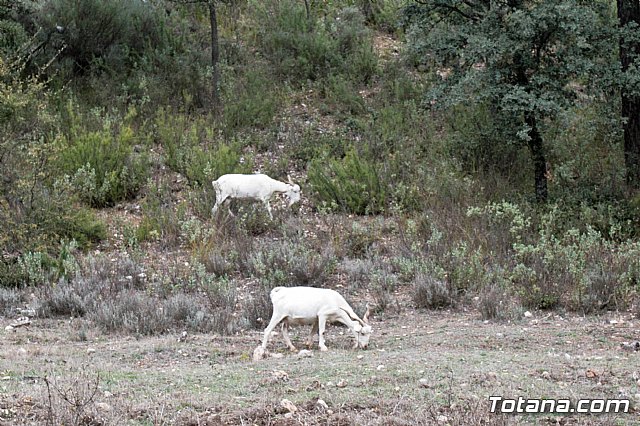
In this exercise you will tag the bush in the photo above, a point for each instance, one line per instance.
(252, 102)
(351, 184)
(306, 49)
(113, 33)
(431, 293)
(289, 263)
(181, 139)
(341, 98)
(103, 164)
(161, 220)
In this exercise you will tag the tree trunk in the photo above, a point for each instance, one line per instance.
(628, 12)
(307, 8)
(539, 161)
(215, 55)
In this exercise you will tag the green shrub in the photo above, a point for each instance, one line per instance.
(161, 221)
(341, 97)
(103, 165)
(354, 42)
(575, 269)
(304, 49)
(202, 167)
(351, 184)
(181, 137)
(113, 33)
(251, 102)
(292, 44)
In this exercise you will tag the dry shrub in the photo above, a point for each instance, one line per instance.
(430, 292)
(496, 304)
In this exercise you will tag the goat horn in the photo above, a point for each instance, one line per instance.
(365, 318)
(352, 318)
(289, 178)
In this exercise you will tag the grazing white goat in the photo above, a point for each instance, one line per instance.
(253, 187)
(314, 306)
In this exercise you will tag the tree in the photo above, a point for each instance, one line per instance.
(519, 57)
(215, 46)
(629, 20)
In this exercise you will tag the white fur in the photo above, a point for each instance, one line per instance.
(314, 306)
(257, 187)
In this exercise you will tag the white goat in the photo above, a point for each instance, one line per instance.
(254, 187)
(314, 306)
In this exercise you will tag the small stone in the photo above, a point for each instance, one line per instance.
(321, 404)
(9, 329)
(258, 353)
(288, 405)
(91, 351)
(305, 353)
(360, 357)
(424, 383)
(442, 419)
(342, 383)
(276, 355)
(103, 407)
(380, 367)
(528, 314)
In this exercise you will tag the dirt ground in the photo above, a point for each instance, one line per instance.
(424, 367)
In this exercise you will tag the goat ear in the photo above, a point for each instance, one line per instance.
(365, 318)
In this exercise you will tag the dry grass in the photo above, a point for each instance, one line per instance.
(207, 379)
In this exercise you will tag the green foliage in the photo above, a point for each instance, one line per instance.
(103, 165)
(351, 184)
(308, 49)
(37, 208)
(521, 61)
(161, 221)
(111, 34)
(252, 101)
(181, 139)
(13, 34)
(341, 97)
(577, 269)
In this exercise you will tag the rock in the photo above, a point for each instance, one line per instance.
(20, 322)
(9, 329)
(630, 346)
(442, 419)
(424, 383)
(276, 355)
(91, 351)
(279, 376)
(342, 383)
(288, 405)
(528, 314)
(258, 353)
(103, 407)
(380, 367)
(321, 405)
(360, 357)
(305, 353)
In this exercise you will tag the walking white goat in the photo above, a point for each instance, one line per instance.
(314, 306)
(254, 187)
